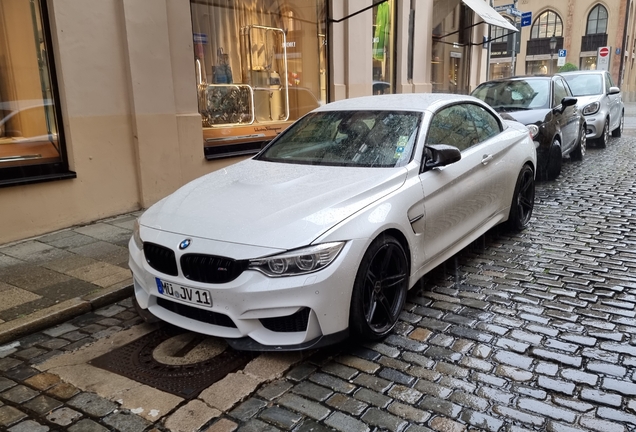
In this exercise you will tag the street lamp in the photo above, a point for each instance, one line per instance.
(553, 43)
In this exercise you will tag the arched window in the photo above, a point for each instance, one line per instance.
(597, 20)
(500, 34)
(549, 23)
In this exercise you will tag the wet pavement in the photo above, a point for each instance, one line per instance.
(532, 331)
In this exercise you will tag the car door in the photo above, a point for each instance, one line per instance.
(568, 117)
(460, 197)
(614, 102)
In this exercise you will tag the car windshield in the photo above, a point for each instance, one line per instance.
(515, 95)
(585, 84)
(347, 138)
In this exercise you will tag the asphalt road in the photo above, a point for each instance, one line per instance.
(531, 331)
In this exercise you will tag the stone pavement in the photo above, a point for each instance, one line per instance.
(54, 277)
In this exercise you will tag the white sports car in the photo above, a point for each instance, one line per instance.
(322, 233)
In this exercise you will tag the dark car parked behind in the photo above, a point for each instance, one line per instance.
(546, 106)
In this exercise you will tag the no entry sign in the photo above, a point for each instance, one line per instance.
(602, 59)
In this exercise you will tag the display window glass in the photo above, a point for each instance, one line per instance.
(31, 146)
(260, 65)
(383, 47)
(540, 67)
(450, 55)
(588, 63)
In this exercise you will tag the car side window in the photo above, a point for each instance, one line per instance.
(560, 91)
(486, 124)
(453, 126)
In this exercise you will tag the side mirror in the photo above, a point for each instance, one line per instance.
(613, 90)
(565, 102)
(441, 155)
(568, 101)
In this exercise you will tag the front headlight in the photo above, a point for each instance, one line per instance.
(591, 108)
(299, 261)
(533, 129)
(137, 237)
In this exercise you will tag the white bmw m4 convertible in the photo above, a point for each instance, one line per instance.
(320, 235)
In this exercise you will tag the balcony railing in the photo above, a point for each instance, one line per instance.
(542, 46)
(593, 42)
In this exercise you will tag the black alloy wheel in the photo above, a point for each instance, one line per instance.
(604, 138)
(380, 288)
(616, 133)
(522, 200)
(581, 148)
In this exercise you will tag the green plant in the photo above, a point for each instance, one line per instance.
(568, 67)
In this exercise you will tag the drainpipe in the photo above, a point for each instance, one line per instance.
(625, 42)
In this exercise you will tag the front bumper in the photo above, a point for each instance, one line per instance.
(595, 124)
(254, 311)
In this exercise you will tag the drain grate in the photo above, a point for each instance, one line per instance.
(136, 361)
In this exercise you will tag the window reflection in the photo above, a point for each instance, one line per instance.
(28, 126)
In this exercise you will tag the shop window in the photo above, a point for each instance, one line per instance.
(31, 143)
(383, 44)
(259, 66)
(449, 64)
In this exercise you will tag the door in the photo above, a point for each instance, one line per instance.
(569, 119)
(614, 103)
(461, 197)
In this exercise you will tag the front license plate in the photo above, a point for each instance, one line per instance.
(186, 294)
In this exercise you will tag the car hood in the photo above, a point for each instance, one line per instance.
(270, 204)
(529, 116)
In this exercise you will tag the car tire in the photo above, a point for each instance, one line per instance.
(380, 288)
(522, 200)
(553, 166)
(578, 153)
(604, 138)
(616, 133)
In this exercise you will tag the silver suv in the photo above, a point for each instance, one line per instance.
(600, 101)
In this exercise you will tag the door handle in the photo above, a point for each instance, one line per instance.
(486, 158)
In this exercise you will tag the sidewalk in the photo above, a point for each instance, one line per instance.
(54, 277)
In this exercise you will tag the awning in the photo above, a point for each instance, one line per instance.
(488, 14)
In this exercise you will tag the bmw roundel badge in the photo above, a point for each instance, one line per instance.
(185, 243)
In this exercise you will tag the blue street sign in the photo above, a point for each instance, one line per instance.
(563, 53)
(526, 19)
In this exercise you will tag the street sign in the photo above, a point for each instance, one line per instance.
(603, 58)
(515, 12)
(504, 8)
(562, 54)
(526, 19)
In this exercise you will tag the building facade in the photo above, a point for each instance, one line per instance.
(107, 106)
(580, 27)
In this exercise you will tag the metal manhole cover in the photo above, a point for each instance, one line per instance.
(175, 361)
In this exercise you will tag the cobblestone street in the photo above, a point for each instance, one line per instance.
(535, 331)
